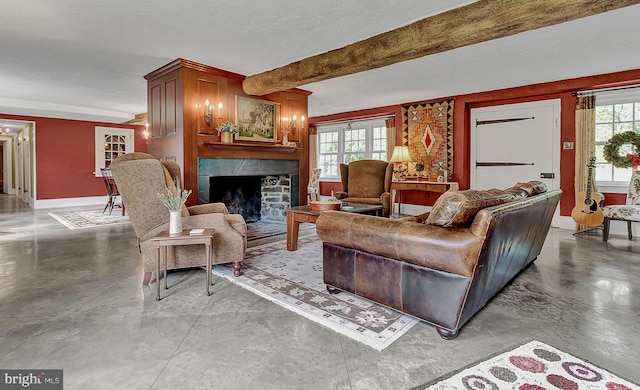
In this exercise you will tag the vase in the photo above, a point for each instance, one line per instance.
(226, 137)
(175, 222)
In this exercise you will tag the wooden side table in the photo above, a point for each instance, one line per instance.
(426, 186)
(164, 240)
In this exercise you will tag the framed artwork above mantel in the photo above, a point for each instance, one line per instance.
(256, 119)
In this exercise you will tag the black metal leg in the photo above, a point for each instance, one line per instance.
(629, 233)
(605, 231)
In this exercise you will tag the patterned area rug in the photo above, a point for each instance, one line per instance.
(294, 281)
(84, 219)
(532, 366)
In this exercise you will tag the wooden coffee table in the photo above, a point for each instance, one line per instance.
(299, 214)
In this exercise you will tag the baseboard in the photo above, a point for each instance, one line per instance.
(71, 202)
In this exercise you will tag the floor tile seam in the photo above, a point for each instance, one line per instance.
(173, 354)
(344, 361)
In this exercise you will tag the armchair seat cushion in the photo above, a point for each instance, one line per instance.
(622, 212)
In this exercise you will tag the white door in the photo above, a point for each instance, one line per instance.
(515, 143)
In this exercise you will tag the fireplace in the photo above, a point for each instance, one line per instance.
(257, 189)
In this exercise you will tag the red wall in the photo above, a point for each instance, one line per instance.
(562, 90)
(65, 156)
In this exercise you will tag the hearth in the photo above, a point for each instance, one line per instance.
(257, 189)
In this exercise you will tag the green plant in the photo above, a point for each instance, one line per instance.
(227, 127)
(174, 198)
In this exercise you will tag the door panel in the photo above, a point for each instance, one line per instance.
(515, 143)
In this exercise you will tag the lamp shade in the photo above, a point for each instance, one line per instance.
(401, 154)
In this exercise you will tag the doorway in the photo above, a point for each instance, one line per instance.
(17, 138)
(515, 143)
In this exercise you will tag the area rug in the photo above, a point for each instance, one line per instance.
(84, 219)
(294, 281)
(531, 366)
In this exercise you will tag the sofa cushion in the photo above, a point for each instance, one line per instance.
(459, 208)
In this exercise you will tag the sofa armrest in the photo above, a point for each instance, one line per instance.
(208, 208)
(454, 250)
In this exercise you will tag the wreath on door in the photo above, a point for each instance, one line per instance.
(611, 150)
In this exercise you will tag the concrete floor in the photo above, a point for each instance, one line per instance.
(72, 300)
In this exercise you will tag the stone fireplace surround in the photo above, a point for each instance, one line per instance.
(230, 167)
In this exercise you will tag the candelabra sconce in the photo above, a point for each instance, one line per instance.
(293, 124)
(208, 113)
(145, 133)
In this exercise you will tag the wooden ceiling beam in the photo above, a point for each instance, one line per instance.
(481, 21)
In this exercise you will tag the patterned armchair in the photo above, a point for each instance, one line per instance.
(629, 212)
(140, 177)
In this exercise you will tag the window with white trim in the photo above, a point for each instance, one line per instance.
(111, 143)
(350, 141)
(616, 112)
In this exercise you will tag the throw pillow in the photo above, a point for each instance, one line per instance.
(533, 187)
(459, 208)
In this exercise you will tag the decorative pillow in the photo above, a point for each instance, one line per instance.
(459, 208)
(534, 187)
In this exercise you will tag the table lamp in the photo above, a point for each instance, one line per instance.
(401, 155)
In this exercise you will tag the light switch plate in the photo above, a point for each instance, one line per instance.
(567, 145)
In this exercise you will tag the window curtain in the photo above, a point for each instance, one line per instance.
(585, 144)
(391, 136)
(313, 150)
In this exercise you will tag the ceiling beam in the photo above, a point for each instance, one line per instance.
(481, 21)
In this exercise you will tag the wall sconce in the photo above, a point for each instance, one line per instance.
(293, 124)
(401, 155)
(208, 112)
(145, 133)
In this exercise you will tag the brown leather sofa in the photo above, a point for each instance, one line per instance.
(444, 266)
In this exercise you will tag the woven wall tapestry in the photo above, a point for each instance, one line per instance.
(427, 129)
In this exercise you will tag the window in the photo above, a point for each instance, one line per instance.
(352, 141)
(616, 112)
(110, 143)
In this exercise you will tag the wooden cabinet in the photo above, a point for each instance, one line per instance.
(177, 93)
(163, 105)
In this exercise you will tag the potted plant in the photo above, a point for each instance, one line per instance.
(174, 199)
(226, 130)
(419, 169)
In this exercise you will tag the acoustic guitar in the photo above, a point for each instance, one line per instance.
(587, 210)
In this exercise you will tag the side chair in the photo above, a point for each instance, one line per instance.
(629, 212)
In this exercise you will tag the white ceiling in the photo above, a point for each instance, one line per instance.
(83, 59)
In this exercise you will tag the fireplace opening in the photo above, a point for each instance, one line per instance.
(254, 197)
(241, 195)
